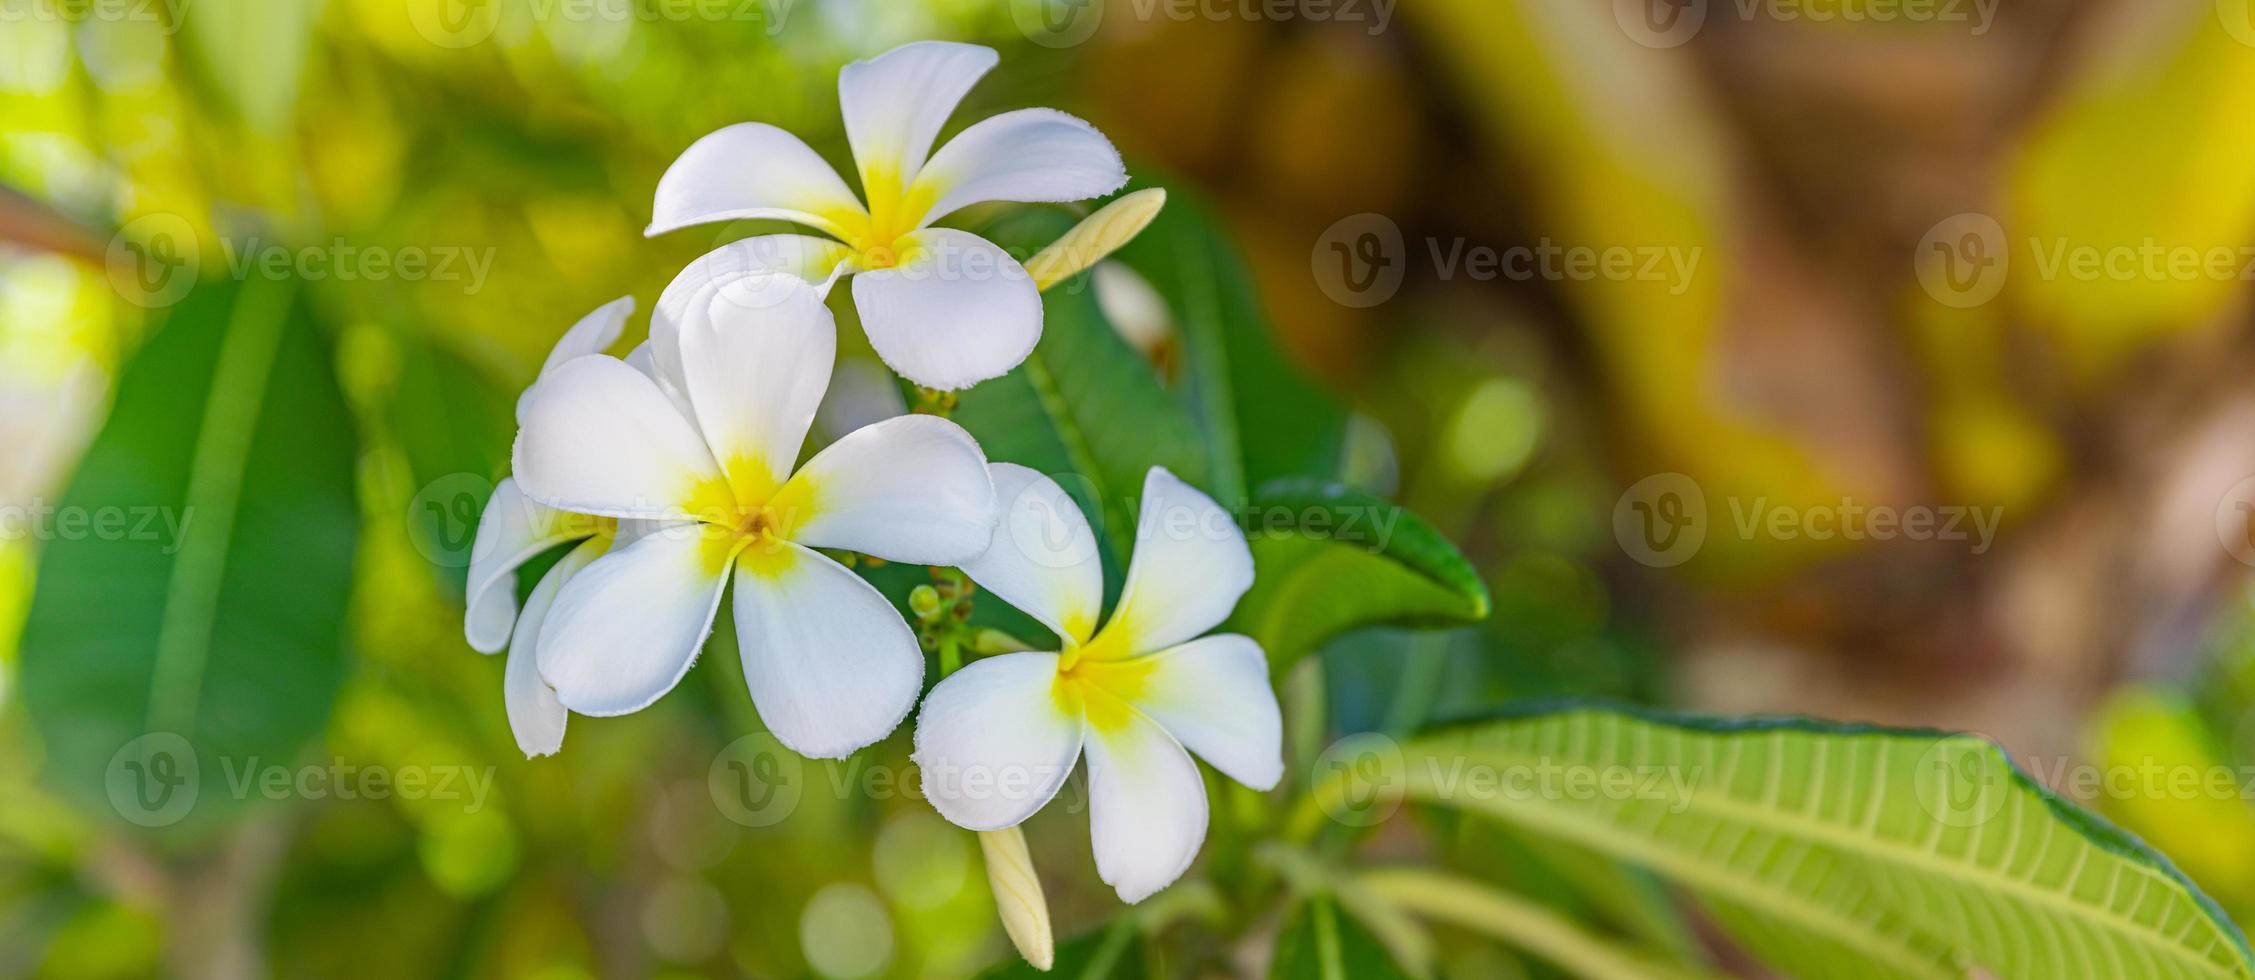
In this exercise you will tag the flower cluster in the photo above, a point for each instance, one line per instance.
(678, 471)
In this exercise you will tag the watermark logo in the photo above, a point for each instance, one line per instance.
(1963, 260)
(454, 23)
(1359, 781)
(153, 261)
(1057, 23)
(2235, 522)
(1360, 261)
(2238, 17)
(1662, 520)
(153, 780)
(1660, 23)
(1956, 785)
(755, 781)
(442, 519)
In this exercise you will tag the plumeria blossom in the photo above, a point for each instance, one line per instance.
(945, 308)
(512, 531)
(696, 435)
(997, 739)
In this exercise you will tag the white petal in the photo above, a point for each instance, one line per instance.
(1027, 155)
(992, 742)
(1147, 806)
(1042, 557)
(1191, 566)
(600, 438)
(894, 104)
(512, 531)
(1213, 696)
(536, 718)
(752, 170)
(815, 260)
(756, 355)
(643, 358)
(830, 663)
(861, 393)
(957, 311)
(626, 628)
(593, 334)
(911, 489)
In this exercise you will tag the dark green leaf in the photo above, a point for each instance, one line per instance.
(454, 425)
(1320, 942)
(1328, 559)
(221, 620)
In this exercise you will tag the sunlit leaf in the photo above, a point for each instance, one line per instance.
(1842, 850)
(1320, 942)
(1328, 559)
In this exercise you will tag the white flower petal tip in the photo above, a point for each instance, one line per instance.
(895, 103)
(993, 745)
(831, 665)
(536, 717)
(1191, 565)
(1042, 558)
(751, 170)
(512, 530)
(1031, 155)
(1147, 808)
(957, 311)
(600, 437)
(914, 489)
(625, 630)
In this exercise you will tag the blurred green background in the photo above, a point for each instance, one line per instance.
(1801, 190)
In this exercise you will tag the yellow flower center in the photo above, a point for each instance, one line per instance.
(1102, 680)
(753, 514)
(896, 210)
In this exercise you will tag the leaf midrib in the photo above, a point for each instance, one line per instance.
(1875, 848)
(216, 469)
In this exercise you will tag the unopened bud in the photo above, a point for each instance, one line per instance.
(924, 601)
(1017, 895)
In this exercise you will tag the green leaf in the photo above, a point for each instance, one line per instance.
(1842, 850)
(1320, 942)
(1513, 920)
(1115, 951)
(222, 619)
(1084, 408)
(253, 53)
(1328, 559)
(1261, 417)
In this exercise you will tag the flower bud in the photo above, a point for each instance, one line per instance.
(1017, 895)
(924, 601)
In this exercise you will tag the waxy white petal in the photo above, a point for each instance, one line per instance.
(992, 742)
(643, 358)
(1147, 806)
(1042, 557)
(626, 628)
(756, 355)
(909, 489)
(894, 104)
(830, 663)
(1213, 696)
(1028, 155)
(512, 530)
(599, 437)
(593, 334)
(752, 170)
(536, 718)
(1191, 566)
(957, 311)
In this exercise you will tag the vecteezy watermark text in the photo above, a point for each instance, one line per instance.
(466, 23)
(164, 13)
(1362, 260)
(1065, 23)
(41, 520)
(1663, 521)
(155, 780)
(1670, 23)
(156, 259)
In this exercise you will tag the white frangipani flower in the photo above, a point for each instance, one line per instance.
(702, 443)
(945, 308)
(513, 530)
(997, 739)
